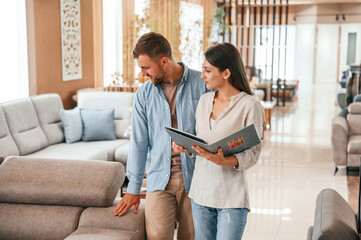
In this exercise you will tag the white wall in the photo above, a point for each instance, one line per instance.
(14, 77)
(345, 29)
(112, 40)
(305, 38)
(326, 53)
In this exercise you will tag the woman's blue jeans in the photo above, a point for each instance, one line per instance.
(218, 223)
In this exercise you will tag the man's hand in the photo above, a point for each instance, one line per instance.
(178, 148)
(126, 203)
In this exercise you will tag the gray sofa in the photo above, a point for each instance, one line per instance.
(334, 218)
(346, 138)
(32, 127)
(64, 199)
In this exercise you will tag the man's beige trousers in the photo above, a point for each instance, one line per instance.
(163, 208)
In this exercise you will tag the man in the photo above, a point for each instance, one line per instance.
(170, 98)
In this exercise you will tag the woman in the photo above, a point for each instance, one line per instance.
(219, 191)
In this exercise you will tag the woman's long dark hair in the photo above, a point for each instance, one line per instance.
(226, 56)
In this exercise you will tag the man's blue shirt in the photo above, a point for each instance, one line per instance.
(149, 116)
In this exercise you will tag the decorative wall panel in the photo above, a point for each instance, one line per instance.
(71, 39)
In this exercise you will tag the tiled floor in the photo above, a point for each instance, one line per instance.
(294, 166)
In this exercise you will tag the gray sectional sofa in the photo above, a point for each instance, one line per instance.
(43, 198)
(32, 127)
(346, 138)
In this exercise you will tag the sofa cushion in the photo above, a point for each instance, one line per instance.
(354, 118)
(7, 143)
(24, 126)
(85, 233)
(121, 154)
(122, 128)
(72, 125)
(26, 221)
(60, 182)
(355, 108)
(99, 150)
(48, 107)
(354, 144)
(353, 160)
(98, 124)
(334, 218)
(121, 102)
(102, 222)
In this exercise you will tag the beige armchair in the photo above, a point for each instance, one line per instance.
(346, 139)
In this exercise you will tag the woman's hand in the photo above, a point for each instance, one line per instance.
(178, 148)
(217, 158)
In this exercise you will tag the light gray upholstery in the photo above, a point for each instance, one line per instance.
(47, 199)
(7, 143)
(121, 154)
(355, 108)
(341, 98)
(38, 222)
(309, 233)
(24, 126)
(59, 182)
(32, 127)
(339, 140)
(120, 101)
(357, 98)
(41, 196)
(48, 107)
(354, 143)
(97, 150)
(334, 218)
(354, 119)
(92, 219)
(346, 137)
(85, 233)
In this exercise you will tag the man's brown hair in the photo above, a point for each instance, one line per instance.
(154, 45)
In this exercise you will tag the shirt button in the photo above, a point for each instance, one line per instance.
(168, 142)
(168, 159)
(167, 175)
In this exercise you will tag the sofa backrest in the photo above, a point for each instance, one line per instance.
(48, 108)
(7, 143)
(354, 118)
(24, 125)
(122, 103)
(83, 183)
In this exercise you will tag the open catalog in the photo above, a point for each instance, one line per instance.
(237, 142)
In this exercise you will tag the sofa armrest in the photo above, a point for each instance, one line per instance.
(339, 140)
(334, 218)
